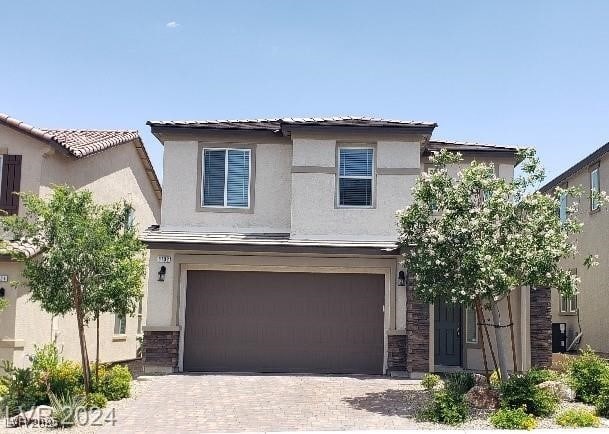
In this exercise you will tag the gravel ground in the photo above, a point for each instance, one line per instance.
(402, 404)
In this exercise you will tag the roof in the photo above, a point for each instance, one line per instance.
(277, 124)
(155, 237)
(19, 246)
(585, 162)
(452, 145)
(83, 143)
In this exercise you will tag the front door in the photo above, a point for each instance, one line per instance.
(447, 339)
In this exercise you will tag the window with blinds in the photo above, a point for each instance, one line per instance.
(226, 178)
(355, 177)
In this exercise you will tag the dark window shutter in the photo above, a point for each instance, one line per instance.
(11, 183)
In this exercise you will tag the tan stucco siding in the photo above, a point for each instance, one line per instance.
(271, 191)
(594, 239)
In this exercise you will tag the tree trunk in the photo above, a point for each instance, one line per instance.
(97, 350)
(500, 339)
(80, 319)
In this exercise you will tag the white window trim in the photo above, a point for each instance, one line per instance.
(470, 311)
(568, 303)
(249, 178)
(117, 328)
(372, 178)
(594, 202)
(564, 205)
(140, 318)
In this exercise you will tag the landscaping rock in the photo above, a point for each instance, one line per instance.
(41, 416)
(482, 397)
(480, 380)
(561, 390)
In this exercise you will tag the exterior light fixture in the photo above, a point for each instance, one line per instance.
(401, 278)
(162, 273)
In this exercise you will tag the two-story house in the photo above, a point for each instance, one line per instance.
(586, 315)
(277, 252)
(114, 166)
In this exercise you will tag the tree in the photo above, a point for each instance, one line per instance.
(475, 237)
(89, 261)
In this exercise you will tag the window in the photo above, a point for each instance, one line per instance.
(471, 326)
(140, 317)
(226, 178)
(355, 177)
(595, 189)
(120, 324)
(568, 305)
(563, 207)
(130, 218)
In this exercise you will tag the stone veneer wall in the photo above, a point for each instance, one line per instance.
(160, 350)
(396, 353)
(417, 331)
(541, 327)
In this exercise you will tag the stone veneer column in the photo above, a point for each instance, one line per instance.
(396, 353)
(541, 327)
(417, 332)
(160, 351)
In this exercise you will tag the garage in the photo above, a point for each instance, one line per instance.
(251, 321)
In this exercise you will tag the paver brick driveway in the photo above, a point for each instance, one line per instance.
(270, 403)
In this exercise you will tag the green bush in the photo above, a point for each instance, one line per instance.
(3, 391)
(430, 381)
(66, 408)
(445, 407)
(518, 418)
(66, 378)
(588, 374)
(520, 391)
(96, 400)
(459, 383)
(538, 375)
(115, 383)
(495, 379)
(22, 390)
(578, 418)
(602, 403)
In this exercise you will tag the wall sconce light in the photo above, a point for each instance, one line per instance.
(401, 278)
(162, 273)
(2, 293)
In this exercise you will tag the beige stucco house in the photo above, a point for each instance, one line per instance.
(276, 252)
(586, 314)
(113, 165)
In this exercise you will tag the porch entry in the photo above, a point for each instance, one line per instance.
(447, 334)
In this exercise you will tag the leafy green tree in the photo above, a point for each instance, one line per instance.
(89, 261)
(475, 237)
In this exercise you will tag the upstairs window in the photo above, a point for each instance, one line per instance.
(355, 177)
(226, 178)
(595, 188)
(563, 207)
(120, 324)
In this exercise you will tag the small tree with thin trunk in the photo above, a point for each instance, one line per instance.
(474, 237)
(88, 262)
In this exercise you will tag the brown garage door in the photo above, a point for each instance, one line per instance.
(284, 322)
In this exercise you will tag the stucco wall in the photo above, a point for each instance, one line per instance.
(271, 194)
(594, 239)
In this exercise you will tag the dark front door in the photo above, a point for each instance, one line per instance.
(447, 341)
(284, 322)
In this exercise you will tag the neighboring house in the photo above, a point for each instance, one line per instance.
(277, 252)
(587, 312)
(113, 165)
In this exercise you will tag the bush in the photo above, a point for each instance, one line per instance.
(445, 407)
(518, 418)
(459, 383)
(66, 379)
(96, 400)
(538, 376)
(602, 403)
(588, 374)
(3, 391)
(115, 383)
(520, 391)
(430, 381)
(66, 408)
(495, 379)
(21, 389)
(578, 418)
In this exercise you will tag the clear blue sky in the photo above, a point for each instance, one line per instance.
(518, 72)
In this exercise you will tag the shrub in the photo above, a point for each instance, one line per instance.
(21, 389)
(459, 383)
(116, 383)
(96, 400)
(602, 403)
(518, 418)
(430, 381)
(578, 418)
(538, 375)
(445, 407)
(520, 391)
(66, 378)
(588, 374)
(3, 390)
(66, 408)
(495, 379)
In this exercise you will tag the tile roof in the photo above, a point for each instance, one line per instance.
(21, 246)
(82, 143)
(275, 124)
(154, 235)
